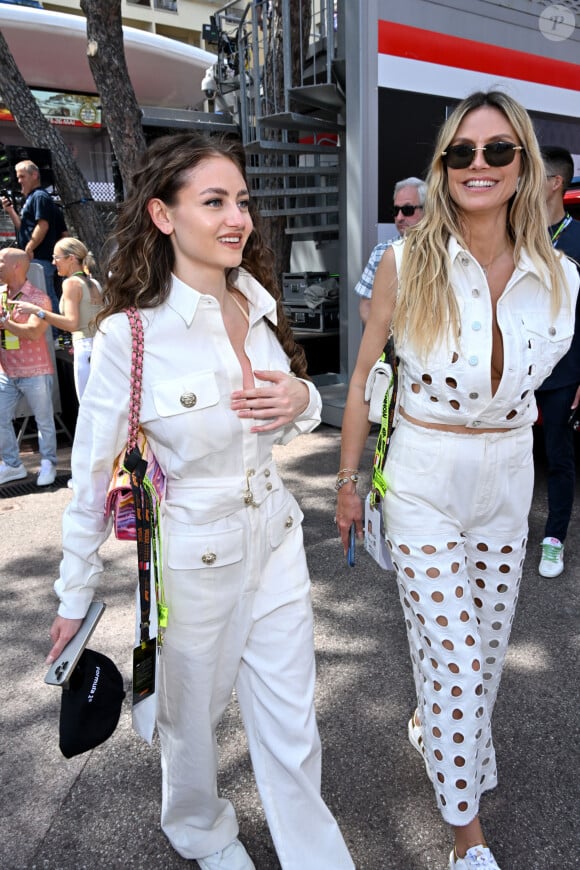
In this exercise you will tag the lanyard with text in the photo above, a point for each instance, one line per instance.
(8, 341)
(560, 229)
(379, 482)
(144, 655)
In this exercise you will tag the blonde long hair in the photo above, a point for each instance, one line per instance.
(426, 310)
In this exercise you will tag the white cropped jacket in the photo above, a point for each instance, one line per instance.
(454, 385)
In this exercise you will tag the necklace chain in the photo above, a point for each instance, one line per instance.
(492, 261)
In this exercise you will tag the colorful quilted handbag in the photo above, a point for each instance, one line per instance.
(135, 469)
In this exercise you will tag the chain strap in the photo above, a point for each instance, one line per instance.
(136, 376)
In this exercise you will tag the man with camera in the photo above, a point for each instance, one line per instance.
(26, 368)
(39, 225)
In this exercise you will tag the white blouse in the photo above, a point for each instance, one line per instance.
(453, 386)
(210, 458)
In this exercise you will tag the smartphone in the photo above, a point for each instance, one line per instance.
(351, 546)
(62, 667)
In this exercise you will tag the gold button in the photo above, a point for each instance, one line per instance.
(248, 498)
(268, 486)
(267, 473)
(552, 331)
(188, 400)
(208, 558)
(289, 522)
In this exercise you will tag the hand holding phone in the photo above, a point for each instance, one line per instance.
(60, 670)
(350, 553)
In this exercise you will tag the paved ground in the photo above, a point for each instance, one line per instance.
(101, 809)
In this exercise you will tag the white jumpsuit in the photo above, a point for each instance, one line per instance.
(456, 512)
(235, 573)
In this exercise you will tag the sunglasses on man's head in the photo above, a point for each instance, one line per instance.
(407, 210)
(495, 154)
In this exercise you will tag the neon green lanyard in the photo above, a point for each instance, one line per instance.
(560, 229)
(379, 483)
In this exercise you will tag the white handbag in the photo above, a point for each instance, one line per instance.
(379, 382)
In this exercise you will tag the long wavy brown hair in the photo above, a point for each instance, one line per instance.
(139, 270)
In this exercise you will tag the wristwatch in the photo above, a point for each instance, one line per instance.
(41, 313)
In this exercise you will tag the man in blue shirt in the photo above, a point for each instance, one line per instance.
(560, 392)
(39, 225)
(408, 202)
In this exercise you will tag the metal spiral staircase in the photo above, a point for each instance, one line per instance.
(287, 101)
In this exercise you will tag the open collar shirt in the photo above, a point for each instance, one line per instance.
(453, 385)
(214, 465)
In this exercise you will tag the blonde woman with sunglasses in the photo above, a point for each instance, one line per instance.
(482, 308)
(78, 306)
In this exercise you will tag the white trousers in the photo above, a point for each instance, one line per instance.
(82, 348)
(456, 516)
(243, 618)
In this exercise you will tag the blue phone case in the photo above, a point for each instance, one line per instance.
(351, 546)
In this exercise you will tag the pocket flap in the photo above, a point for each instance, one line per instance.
(561, 329)
(185, 394)
(281, 524)
(205, 550)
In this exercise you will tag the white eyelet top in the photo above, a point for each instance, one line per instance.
(454, 385)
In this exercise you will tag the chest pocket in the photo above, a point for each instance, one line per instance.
(546, 342)
(193, 420)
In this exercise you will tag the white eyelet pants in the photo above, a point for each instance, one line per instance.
(456, 515)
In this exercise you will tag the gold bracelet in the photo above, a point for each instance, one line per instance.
(343, 470)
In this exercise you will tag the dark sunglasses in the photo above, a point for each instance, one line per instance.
(407, 210)
(495, 154)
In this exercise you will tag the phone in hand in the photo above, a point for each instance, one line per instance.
(61, 669)
(350, 553)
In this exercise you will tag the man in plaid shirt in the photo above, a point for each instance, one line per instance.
(408, 202)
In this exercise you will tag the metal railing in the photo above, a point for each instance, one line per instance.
(255, 79)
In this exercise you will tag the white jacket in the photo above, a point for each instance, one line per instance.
(210, 458)
(454, 385)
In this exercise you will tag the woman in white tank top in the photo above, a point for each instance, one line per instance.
(79, 303)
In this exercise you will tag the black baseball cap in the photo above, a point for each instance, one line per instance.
(91, 704)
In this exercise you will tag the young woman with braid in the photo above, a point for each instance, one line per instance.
(482, 308)
(223, 381)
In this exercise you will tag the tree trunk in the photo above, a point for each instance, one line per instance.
(106, 54)
(70, 182)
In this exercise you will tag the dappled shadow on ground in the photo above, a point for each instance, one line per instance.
(102, 809)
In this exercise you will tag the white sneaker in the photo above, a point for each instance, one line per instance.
(47, 473)
(233, 857)
(552, 561)
(476, 858)
(415, 733)
(11, 472)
